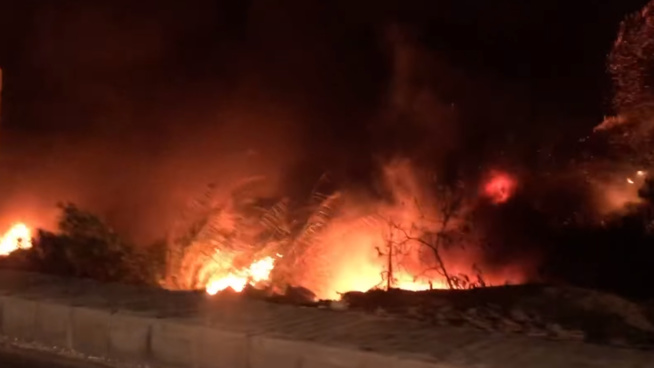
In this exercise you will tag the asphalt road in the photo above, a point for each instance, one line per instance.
(18, 358)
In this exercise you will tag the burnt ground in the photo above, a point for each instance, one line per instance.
(561, 313)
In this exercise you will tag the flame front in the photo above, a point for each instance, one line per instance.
(354, 244)
(257, 272)
(17, 237)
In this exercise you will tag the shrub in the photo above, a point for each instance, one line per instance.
(85, 246)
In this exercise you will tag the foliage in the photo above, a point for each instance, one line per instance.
(449, 227)
(183, 235)
(631, 67)
(85, 246)
(646, 211)
(616, 256)
(630, 62)
(247, 227)
(243, 227)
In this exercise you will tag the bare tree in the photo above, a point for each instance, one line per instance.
(449, 228)
(394, 250)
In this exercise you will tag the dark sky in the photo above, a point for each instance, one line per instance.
(122, 96)
(324, 57)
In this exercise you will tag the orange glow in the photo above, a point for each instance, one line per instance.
(406, 282)
(257, 272)
(361, 241)
(19, 236)
(500, 187)
(617, 192)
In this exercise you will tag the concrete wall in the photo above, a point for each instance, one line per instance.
(168, 329)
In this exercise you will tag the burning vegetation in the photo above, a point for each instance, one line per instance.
(19, 236)
(414, 225)
(415, 239)
(415, 236)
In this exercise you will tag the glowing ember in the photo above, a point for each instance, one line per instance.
(500, 187)
(17, 237)
(640, 176)
(237, 280)
(404, 282)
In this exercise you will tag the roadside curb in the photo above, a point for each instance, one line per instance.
(131, 326)
(124, 337)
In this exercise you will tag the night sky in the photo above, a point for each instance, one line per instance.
(123, 99)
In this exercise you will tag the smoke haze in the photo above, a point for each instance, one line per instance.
(130, 110)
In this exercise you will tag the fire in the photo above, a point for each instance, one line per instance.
(616, 192)
(640, 177)
(257, 272)
(406, 282)
(500, 187)
(19, 236)
(360, 244)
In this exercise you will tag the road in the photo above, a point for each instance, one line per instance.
(18, 358)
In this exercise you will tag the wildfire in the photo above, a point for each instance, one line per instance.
(19, 236)
(348, 247)
(406, 282)
(257, 272)
(500, 187)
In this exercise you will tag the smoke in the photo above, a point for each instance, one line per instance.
(417, 116)
(131, 110)
(104, 108)
(618, 176)
(368, 240)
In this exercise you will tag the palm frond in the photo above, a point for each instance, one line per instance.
(317, 195)
(275, 219)
(317, 221)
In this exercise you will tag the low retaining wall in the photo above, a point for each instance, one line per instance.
(169, 329)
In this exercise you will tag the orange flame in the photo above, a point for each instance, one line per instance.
(358, 251)
(19, 236)
(257, 272)
(406, 282)
(500, 187)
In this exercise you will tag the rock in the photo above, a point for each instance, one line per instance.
(440, 319)
(338, 305)
(381, 312)
(356, 299)
(555, 330)
(619, 342)
(445, 308)
(518, 315)
(576, 335)
(481, 324)
(414, 312)
(299, 295)
(508, 325)
(535, 332)
(472, 313)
